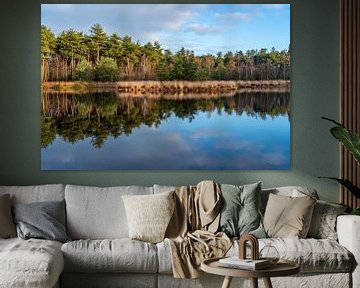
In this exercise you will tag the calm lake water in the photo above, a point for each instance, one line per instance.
(99, 131)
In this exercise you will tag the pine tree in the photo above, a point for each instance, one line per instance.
(72, 48)
(98, 40)
(48, 45)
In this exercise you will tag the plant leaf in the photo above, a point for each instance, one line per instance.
(349, 139)
(347, 184)
(333, 121)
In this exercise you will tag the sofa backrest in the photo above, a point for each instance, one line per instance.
(98, 212)
(293, 191)
(36, 193)
(163, 188)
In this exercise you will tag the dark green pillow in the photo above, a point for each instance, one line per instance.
(240, 212)
(43, 220)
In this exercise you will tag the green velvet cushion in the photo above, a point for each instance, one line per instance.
(240, 213)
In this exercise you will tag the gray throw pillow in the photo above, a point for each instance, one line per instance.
(323, 222)
(240, 213)
(7, 227)
(44, 220)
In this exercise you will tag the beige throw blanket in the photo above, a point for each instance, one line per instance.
(190, 232)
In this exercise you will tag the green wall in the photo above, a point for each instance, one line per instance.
(315, 74)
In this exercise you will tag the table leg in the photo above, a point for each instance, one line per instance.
(227, 282)
(267, 283)
(254, 282)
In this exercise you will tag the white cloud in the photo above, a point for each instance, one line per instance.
(275, 6)
(57, 7)
(200, 28)
(238, 16)
(275, 158)
(152, 37)
(209, 132)
(144, 22)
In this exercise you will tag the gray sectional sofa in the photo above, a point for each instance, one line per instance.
(101, 254)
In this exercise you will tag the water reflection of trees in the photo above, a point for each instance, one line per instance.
(98, 115)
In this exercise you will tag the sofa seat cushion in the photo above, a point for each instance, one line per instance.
(109, 280)
(313, 255)
(115, 255)
(30, 263)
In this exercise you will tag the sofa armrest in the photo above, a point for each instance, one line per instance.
(348, 230)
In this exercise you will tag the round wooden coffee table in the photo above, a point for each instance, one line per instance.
(281, 268)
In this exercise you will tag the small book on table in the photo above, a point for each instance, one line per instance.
(248, 264)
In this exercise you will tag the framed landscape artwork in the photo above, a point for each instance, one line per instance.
(165, 86)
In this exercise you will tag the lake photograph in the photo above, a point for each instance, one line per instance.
(165, 87)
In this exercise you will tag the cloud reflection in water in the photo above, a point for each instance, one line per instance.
(221, 142)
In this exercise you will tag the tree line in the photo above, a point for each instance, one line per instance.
(77, 56)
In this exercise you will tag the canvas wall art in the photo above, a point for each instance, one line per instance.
(165, 86)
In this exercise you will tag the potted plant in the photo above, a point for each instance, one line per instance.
(351, 141)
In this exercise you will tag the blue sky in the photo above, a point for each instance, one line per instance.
(203, 28)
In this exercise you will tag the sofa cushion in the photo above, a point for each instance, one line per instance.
(98, 213)
(163, 188)
(109, 280)
(164, 257)
(313, 255)
(30, 263)
(37, 193)
(117, 255)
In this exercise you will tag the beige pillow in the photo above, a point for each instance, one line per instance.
(7, 226)
(149, 215)
(288, 217)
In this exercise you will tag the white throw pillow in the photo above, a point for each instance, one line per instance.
(149, 215)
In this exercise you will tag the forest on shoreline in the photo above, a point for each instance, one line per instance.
(76, 56)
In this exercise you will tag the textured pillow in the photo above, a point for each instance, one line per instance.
(149, 215)
(288, 217)
(323, 222)
(240, 210)
(7, 227)
(44, 220)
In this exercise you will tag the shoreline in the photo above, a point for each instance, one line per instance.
(150, 87)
